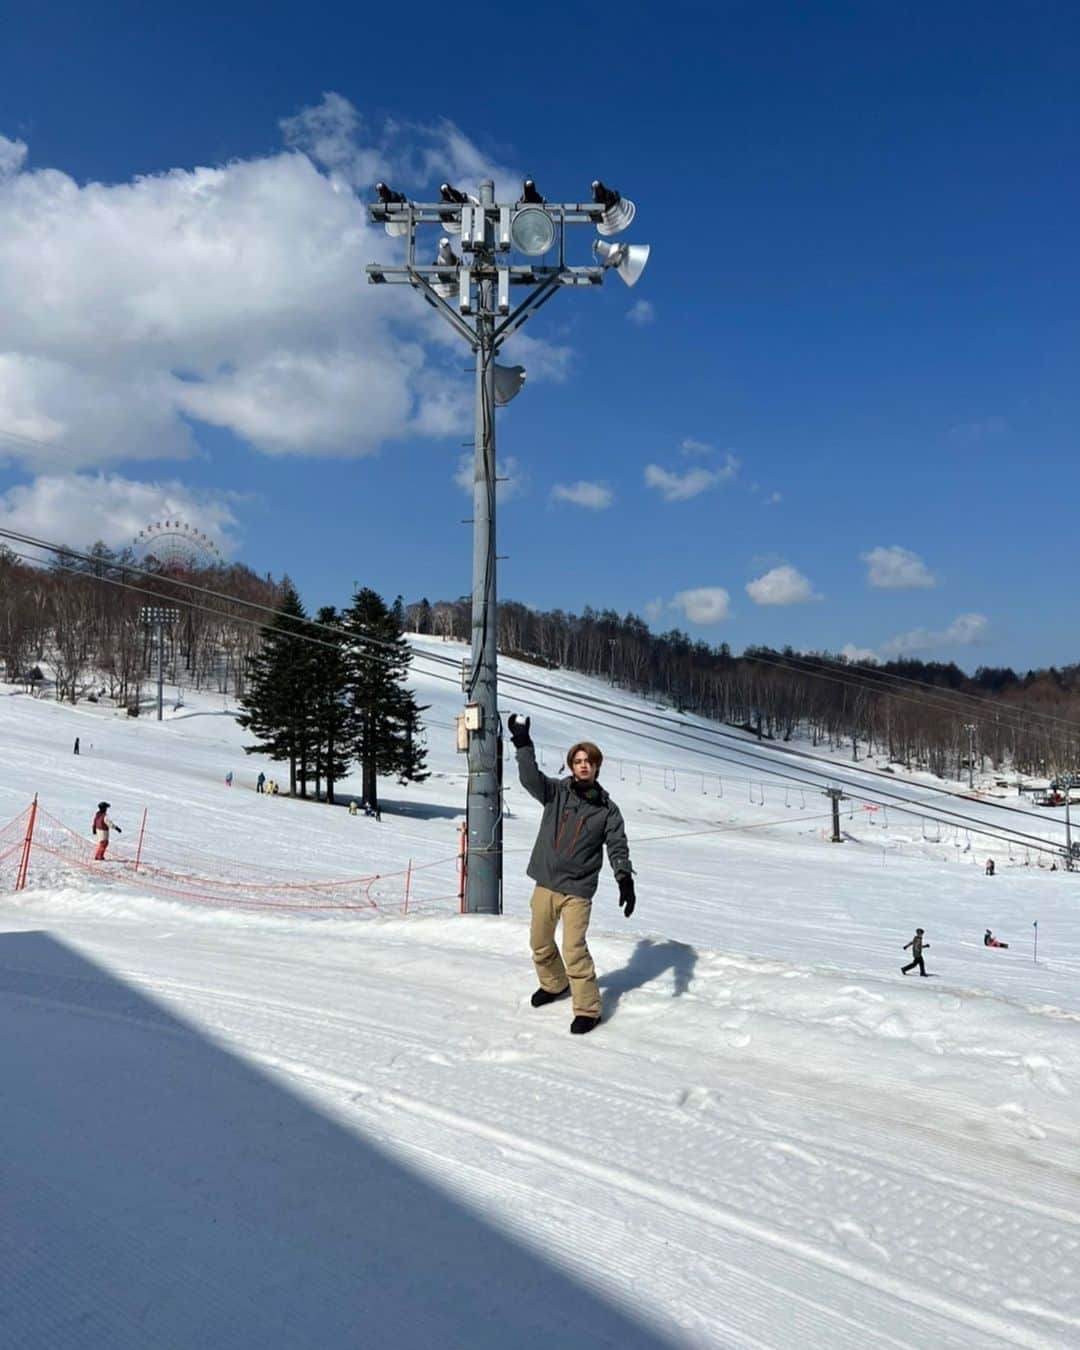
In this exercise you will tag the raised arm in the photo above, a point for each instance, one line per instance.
(535, 783)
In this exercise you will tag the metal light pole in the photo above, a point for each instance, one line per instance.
(971, 728)
(473, 293)
(156, 617)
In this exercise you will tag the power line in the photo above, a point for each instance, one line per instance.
(835, 772)
(870, 680)
(858, 792)
(899, 803)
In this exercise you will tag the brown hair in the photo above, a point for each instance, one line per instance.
(596, 758)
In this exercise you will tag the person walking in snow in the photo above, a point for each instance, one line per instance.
(354, 810)
(228, 779)
(100, 830)
(76, 750)
(989, 867)
(579, 820)
(917, 946)
(260, 782)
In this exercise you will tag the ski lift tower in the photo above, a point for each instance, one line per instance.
(507, 250)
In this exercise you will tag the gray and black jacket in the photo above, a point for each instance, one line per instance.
(916, 944)
(577, 823)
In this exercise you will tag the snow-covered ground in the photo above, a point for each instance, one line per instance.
(225, 1127)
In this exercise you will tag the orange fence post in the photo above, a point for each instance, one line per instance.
(461, 870)
(408, 885)
(24, 861)
(142, 831)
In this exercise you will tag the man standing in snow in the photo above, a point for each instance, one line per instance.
(100, 829)
(917, 946)
(579, 820)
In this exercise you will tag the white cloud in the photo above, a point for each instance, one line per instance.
(781, 586)
(641, 312)
(680, 487)
(79, 509)
(706, 604)
(774, 498)
(896, 569)
(12, 156)
(690, 446)
(598, 496)
(511, 478)
(652, 609)
(327, 133)
(234, 295)
(857, 655)
(966, 630)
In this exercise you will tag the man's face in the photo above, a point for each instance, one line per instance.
(581, 766)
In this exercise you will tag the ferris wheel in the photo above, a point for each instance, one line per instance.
(175, 545)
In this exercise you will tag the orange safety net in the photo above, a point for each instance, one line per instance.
(12, 840)
(169, 867)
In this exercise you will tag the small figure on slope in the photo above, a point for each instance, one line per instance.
(989, 940)
(100, 830)
(917, 946)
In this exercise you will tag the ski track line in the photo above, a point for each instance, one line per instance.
(672, 1198)
(630, 1093)
(379, 1031)
(741, 1276)
(726, 1269)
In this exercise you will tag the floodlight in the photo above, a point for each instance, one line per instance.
(457, 198)
(532, 231)
(394, 228)
(508, 383)
(627, 259)
(446, 282)
(529, 194)
(618, 210)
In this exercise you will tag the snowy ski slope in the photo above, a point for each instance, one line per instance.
(235, 1129)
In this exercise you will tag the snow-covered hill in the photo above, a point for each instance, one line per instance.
(237, 1129)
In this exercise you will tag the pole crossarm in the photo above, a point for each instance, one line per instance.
(439, 213)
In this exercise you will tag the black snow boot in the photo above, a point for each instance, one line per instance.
(580, 1025)
(542, 996)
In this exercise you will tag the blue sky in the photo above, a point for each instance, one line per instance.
(847, 380)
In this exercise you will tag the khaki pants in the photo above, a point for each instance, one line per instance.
(553, 969)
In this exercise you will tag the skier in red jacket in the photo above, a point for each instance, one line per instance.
(100, 830)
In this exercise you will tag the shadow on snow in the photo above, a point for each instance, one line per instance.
(157, 1190)
(651, 960)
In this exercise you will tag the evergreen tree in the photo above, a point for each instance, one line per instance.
(279, 675)
(332, 717)
(387, 726)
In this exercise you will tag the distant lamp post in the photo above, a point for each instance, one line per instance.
(156, 618)
(507, 250)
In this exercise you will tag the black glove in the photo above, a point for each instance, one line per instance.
(118, 829)
(627, 898)
(519, 731)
